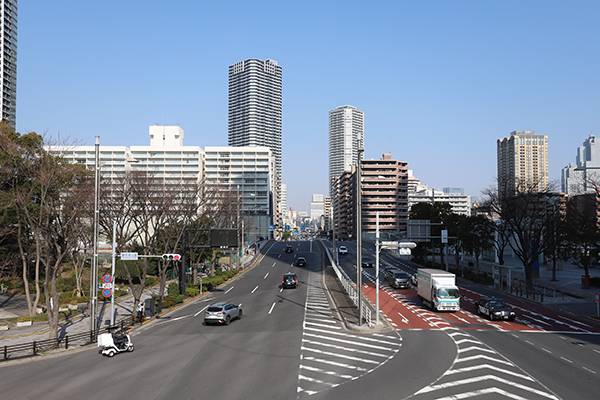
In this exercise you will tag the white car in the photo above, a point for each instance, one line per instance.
(343, 250)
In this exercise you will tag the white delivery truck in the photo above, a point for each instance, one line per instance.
(438, 289)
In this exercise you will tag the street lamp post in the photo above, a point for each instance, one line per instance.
(359, 233)
(94, 277)
(377, 267)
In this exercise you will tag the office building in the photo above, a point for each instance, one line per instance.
(317, 207)
(249, 173)
(583, 175)
(8, 61)
(346, 137)
(460, 203)
(522, 162)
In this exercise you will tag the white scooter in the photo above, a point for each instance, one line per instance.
(110, 348)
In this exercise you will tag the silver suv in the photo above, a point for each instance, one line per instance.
(222, 313)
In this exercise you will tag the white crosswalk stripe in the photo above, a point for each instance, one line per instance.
(330, 355)
(477, 365)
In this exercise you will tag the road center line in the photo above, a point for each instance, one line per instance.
(254, 289)
(272, 307)
(195, 315)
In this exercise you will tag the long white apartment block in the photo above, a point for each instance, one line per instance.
(165, 158)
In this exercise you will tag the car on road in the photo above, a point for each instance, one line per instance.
(301, 262)
(289, 248)
(290, 280)
(222, 313)
(343, 250)
(414, 280)
(397, 279)
(495, 309)
(366, 262)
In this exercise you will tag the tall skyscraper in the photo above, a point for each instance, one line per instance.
(522, 162)
(346, 136)
(583, 175)
(8, 61)
(255, 106)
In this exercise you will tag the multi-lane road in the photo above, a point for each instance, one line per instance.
(291, 344)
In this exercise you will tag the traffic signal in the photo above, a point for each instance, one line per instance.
(171, 257)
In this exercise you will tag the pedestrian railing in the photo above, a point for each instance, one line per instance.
(350, 288)
(41, 346)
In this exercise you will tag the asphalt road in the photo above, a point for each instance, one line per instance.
(544, 353)
(290, 344)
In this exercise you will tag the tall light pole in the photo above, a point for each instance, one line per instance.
(377, 243)
(94, 277)
(359, 232)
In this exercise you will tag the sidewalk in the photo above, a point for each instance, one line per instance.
(568, 279)
(77, 324)
(14, 306)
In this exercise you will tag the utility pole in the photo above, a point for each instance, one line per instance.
(359, 233)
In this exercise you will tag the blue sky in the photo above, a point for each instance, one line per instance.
(439, 81)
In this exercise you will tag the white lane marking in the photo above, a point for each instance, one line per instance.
(325, 372)
(589, 370)
(546, 350)
(567, 360)
(481, 366)
(404, 319)
(337, 364)
(481, 379)
(254, 290)
(266, 276)
(272, 307)
(195, 315)
(306, 378)
(572, 320)
(327, 353)
(279, 256)
(273, 265)
(229, 290)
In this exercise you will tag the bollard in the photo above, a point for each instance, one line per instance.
(34, 349)
(67, 342)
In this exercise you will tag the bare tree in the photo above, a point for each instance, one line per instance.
(523, 207)
(50, 202)
(582, 231)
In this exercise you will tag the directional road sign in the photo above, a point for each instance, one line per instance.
(129, 256)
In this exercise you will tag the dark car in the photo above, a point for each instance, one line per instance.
(367, 263)
(288, 248)
(222, 313)
(495, 309)
(397, 279)
(290, 280)
(301, 262)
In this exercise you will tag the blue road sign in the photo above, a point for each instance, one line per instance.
(287, 227)
(271, 227)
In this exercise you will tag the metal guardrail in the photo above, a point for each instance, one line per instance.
(37, 346)
(350, 288)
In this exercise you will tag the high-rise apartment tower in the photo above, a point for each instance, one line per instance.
(8, 60)
(255, 106)
(346, 136)
(522, 162)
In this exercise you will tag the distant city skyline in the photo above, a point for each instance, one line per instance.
(438, 84)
